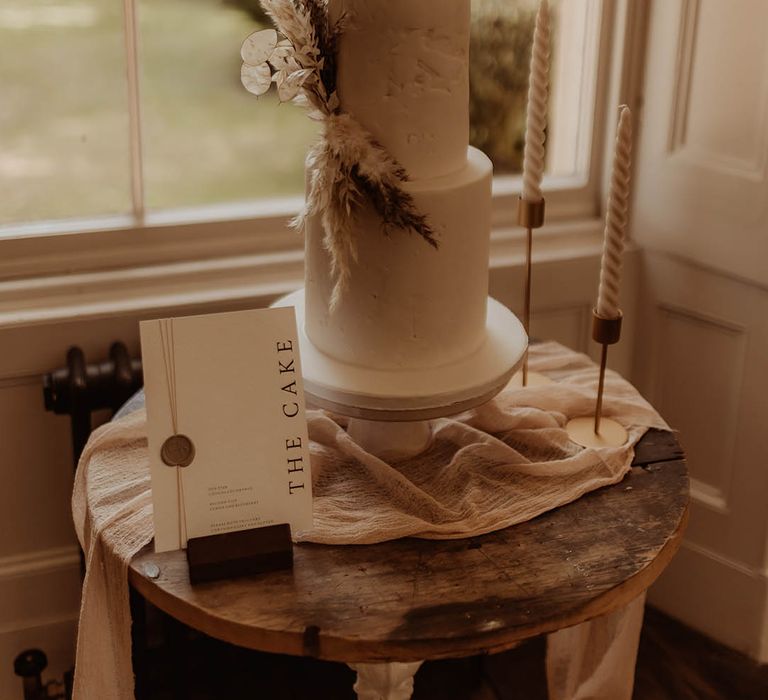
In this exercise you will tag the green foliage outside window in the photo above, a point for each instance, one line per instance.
(498, 79)
(205, 139)
(253, 8)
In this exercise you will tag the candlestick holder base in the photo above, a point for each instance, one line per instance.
(582, 432)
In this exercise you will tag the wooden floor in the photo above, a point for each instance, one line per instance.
(674, 663)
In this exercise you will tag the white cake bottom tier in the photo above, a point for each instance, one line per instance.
(409, 305)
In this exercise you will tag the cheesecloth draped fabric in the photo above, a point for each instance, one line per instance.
(485, 469)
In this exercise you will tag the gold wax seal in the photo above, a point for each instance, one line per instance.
(177, 451)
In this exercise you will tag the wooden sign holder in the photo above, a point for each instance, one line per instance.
(242, 553)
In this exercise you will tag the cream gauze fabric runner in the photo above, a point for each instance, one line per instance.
(486, 469)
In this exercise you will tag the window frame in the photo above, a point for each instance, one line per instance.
(46, 262)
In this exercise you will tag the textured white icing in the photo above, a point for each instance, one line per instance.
(409, 305)
(403, 74)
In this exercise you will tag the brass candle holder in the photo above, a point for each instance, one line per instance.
(596, 431)
(530, 215)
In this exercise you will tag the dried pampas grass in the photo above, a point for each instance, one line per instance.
(347, 168)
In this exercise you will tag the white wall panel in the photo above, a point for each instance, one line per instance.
(696, 347)
(33, 514)
(567, 324)
(722, 73)
(702, 170)
(701, 214)
(702, 360)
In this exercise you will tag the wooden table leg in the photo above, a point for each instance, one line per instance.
(385, 681)
(596, 659)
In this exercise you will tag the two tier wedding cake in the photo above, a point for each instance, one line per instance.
(395, 318)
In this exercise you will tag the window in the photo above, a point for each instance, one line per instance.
(213, 171)
(64, 120)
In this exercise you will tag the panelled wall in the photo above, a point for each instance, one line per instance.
(704, 365)
(701, 217)
(39, 569)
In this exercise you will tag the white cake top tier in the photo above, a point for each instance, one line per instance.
(403, 74)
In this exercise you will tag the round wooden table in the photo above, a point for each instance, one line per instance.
(412, 600)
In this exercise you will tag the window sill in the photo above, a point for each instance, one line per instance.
(240, 279)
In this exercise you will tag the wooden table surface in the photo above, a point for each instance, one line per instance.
(415, 599)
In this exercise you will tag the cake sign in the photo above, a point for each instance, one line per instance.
(348, 167)
(226, 427)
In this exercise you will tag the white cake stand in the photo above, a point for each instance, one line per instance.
(391, 408)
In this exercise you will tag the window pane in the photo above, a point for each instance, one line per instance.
(207, 140)
(63, 110)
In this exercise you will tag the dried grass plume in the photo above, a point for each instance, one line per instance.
(349, 169)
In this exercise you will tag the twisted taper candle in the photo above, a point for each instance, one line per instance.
(616, 219)
(536, 115)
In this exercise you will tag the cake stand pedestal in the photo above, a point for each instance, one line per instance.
(390, 409)
(390, 440)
